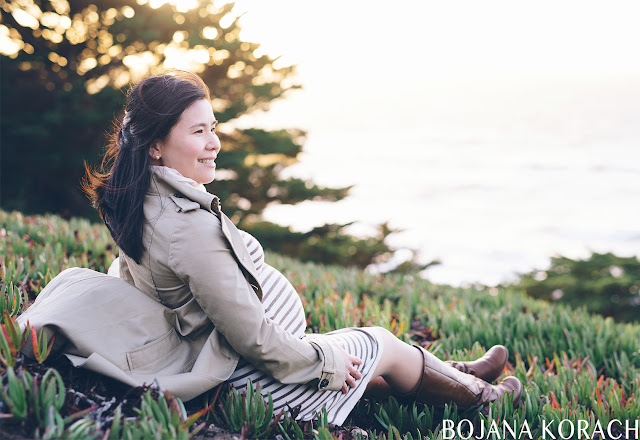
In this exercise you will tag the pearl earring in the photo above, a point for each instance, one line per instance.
(157, 157)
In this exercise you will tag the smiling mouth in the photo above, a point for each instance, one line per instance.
(206, 160)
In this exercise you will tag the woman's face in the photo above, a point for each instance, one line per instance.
(192, 144)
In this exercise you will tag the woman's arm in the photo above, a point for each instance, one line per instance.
(200, 256)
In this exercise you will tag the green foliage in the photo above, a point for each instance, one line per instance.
(248, 412)
(12, 340)
(16, 395)
(289, 429)
(11, 298)
(331, 244)
(405, 418)
(35, 249)
(161, 418)
(603, 283)
(41, 346)
(165, 417)
(38, 402)
(574, 365)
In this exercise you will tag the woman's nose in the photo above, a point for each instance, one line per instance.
(214, 143)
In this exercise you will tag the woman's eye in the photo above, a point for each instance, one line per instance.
(200, 131)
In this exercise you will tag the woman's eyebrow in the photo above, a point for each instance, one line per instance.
(203, 124)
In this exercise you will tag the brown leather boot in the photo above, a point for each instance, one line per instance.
(489, 367)
(378, 389)
(440, 383)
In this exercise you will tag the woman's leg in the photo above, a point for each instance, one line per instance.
(400, 365)
(488, 368)
(410, 370)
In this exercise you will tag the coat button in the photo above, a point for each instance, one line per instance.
(324, 384)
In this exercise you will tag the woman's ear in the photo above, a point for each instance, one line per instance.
(154, 150)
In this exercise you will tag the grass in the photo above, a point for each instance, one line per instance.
(575, 366)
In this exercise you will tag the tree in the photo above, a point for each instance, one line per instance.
(65, 65)
(64, 83)
(604, 283)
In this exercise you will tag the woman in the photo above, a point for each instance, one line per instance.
(240, 317)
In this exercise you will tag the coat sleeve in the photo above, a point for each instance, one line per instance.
(201, 257)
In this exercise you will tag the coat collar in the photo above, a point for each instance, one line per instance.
(164, 183)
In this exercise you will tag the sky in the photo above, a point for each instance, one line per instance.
(359, 61)
(356, 47)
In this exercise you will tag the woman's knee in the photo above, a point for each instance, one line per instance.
(385, 334)
(390, 351)
(388, 339)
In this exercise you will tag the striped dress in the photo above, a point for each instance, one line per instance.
(282, 305)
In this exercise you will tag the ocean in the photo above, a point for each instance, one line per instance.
(491, 177)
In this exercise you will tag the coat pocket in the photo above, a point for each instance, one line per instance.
(153, 351)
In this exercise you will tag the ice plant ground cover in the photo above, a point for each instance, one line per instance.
(580, 371)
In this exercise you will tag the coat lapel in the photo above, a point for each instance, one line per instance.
(240, 250)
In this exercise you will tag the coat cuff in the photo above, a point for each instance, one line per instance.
(333, 370)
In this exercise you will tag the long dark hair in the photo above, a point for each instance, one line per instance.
(118, 188)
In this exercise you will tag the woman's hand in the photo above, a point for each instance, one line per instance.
(352, 373)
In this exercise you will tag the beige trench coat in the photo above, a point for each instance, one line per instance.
(185, 315)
